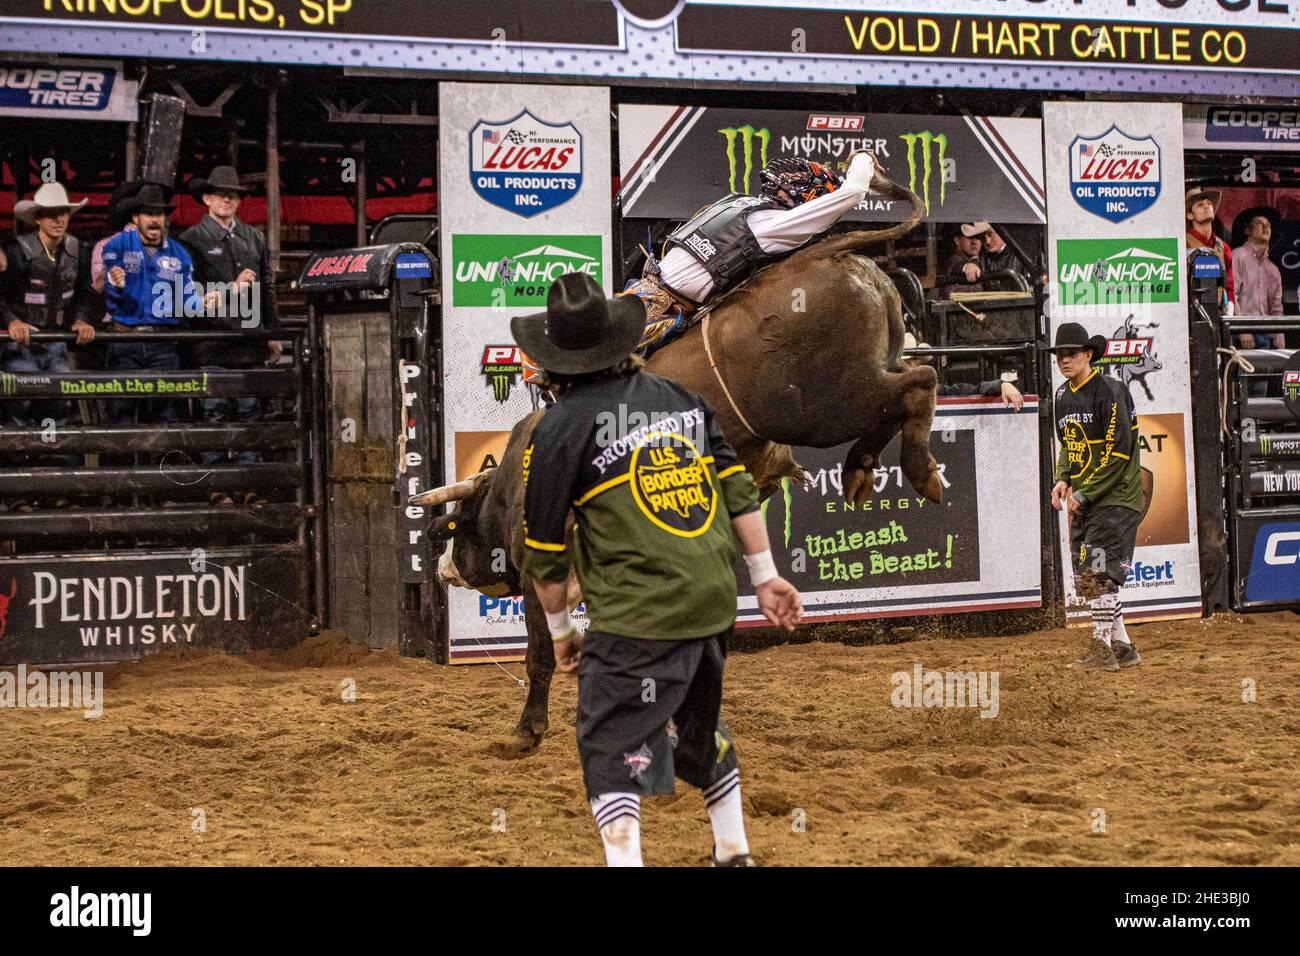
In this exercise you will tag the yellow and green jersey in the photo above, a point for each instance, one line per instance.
(653, 486)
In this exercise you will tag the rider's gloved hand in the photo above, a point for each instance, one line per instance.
(862, 168)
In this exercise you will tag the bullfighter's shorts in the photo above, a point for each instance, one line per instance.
(648, 711)
(1102, 541)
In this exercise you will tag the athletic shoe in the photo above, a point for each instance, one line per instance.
(740, 859)
(1126, 654)
(1100, 657)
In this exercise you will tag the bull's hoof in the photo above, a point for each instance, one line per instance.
(527, 737)
(859, 483)
(932, 488)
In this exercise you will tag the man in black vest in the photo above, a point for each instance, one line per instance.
(46, 288)
(233, 254)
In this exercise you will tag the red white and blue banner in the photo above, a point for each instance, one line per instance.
(84, 90)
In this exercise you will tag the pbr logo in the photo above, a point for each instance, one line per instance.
(524, 164)
(1124, 351)
(837, 122)
(501, 366)
(1115, 175)
(1291, 386)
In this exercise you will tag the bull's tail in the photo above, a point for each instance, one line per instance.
(859, 241)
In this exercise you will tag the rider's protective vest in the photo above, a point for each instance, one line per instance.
(47, 287)
(719, 237)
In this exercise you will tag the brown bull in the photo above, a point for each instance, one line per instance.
(808, 352)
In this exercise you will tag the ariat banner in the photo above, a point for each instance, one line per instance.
(1116, 229)
(524, 190)
(675, 159)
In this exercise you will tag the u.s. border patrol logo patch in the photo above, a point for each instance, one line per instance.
(672, 486)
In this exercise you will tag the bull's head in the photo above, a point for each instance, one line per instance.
(477, 540)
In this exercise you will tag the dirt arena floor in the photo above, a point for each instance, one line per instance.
(285, 772)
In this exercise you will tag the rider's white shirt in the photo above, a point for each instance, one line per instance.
(777, 230)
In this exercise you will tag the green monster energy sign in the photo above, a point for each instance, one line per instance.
(932, 151)
(741, 139)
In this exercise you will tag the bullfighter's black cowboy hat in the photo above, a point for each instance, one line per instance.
(581, 330)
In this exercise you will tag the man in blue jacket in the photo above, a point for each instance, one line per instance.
(149, 289)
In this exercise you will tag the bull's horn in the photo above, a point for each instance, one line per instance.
(456, 492)
(440, 496)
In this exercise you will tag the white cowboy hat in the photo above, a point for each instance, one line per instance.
(973, 229)
(49, 196)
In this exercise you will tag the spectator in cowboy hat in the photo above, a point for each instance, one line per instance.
(149, 289)
(1258, 283)
(995, 256)
(46, 286)
(232, 253)
(1201, 205)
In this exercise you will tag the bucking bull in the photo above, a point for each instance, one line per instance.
(776, 375)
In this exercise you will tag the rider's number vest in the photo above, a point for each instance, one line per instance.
(719, 237)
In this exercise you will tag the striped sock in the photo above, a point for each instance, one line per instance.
(722, 799)
(1121, 632)
(1103, 617)
(618, 817)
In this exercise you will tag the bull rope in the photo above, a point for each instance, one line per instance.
(717, 373)
(1234, 358)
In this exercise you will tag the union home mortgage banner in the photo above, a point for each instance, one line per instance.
(675, 159)
(524, 197)
(1210, 46)
(1116, 227)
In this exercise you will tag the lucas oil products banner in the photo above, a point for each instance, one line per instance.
(1116, 237)
(524, 192)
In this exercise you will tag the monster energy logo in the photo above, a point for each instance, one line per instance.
(8, 383)
(923, 142)
(501, 366)
(789, 508)
(744, 136)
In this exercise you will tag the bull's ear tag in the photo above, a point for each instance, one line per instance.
(799, 564)
(348, 433)
(451, 526)
(499, 560)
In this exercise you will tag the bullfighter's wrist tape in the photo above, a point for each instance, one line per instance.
(560, 624)
(761, 567)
